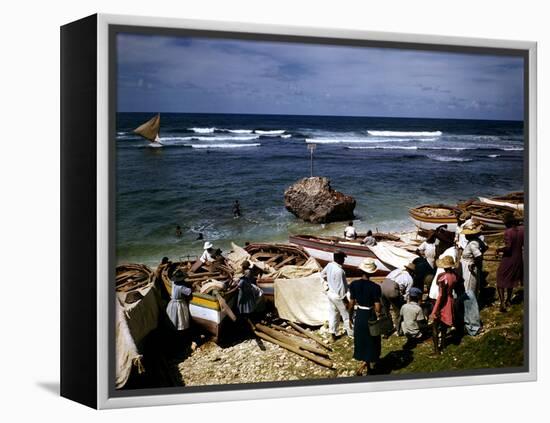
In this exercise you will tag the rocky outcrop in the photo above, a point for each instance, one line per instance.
(314, 200)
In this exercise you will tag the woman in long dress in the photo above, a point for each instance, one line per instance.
(249, 292)
(178, 307)
(510, 270)
(365, 302)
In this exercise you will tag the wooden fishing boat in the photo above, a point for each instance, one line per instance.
(276, 256)
(150, 130)
(131, 277)
(514, 200)
(430, 216)
(323, 249)
(213, 293)
(491, 216)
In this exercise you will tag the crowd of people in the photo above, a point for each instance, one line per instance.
(438, 289)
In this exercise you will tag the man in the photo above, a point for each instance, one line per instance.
(336, 294)
(349, 232)
(208, 254)
(236, 210)
(412, 319)
(395, 291)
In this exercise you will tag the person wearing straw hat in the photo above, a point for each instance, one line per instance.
(365, 303)
(337, 286)
(472, 267)
(510, 270)
(443, 314)
(178, 308)
(208, 253)
(395, 290)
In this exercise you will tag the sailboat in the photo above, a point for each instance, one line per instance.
(150, 131)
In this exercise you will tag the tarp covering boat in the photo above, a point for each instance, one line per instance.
(392, 255)
(302, 300)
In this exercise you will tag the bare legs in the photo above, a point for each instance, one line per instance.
(364, 365)
(505, 302)
(439, 331)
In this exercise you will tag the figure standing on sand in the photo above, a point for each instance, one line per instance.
(510, 270)
(178, 308)
(337, 289)
(236, 210)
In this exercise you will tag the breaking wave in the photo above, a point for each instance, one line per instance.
(449, 159)
(203, 146)
(405, 133)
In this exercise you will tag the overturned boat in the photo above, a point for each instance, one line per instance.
(513, 200)
(213, 296)
(387, 257)
(429, 217)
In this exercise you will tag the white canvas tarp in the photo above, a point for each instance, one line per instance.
(392, 255)
(302, 300)
(134, 321)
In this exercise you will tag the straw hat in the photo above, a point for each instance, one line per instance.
(179, 276)
(368, 266)
(470, 229)
(446, 262)
(207, 245)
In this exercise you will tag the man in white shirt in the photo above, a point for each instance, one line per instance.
(208, 254)
(337, 290)
(395, 290)
(349, 232)
(428, 249)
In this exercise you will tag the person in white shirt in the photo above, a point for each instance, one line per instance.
(428, 249)
(208, 254)
(395, 290)
(350, 233)
(335, 276)
(369, 240)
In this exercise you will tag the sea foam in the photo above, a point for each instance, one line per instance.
(405, 133)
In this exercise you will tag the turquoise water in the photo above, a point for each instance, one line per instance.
(209, 161)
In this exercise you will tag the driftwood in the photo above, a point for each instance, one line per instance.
(321, 361)
(286, 339)
(309, 335)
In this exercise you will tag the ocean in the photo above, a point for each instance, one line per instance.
(210, 160)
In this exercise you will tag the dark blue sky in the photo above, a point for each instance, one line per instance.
(176, 74)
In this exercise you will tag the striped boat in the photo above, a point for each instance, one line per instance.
(205, 308)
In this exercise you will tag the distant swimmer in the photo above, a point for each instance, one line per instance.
(349, 232)
(236, 209)
(179, 233)
(200, 237)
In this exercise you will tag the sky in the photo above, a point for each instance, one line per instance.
(208, 75)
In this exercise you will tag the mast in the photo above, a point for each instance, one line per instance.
(150, 129)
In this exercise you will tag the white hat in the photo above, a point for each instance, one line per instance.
(368, 266)
(207, 245)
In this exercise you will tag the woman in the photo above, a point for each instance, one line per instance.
(365, 301)
(249, 293)
(443, 311)
(510, 270)
(428, 249)
(178, 308)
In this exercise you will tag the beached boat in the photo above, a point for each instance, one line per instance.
(213, 293)
(430, 216)
(131, 277)
(323, 249)
(150, 130)
(491, 216)
(275, 256)
(514, 200)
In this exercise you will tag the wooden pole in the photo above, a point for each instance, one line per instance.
(293, 332)
(287, 340)
(309, 335)
(305, 354)
(225, 307)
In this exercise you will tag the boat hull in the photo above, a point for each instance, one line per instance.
(432, 224)
(516, 206)
(323, 251)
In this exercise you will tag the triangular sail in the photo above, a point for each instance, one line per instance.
(150, 129)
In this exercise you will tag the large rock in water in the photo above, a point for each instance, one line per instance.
(314, 200)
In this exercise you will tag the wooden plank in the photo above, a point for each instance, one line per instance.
(309, 335)
(286, 261)
(305, 354)
(225, 307)
(286, 339)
